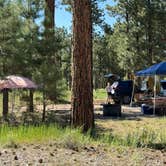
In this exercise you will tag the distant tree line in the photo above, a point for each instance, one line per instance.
(136, 40)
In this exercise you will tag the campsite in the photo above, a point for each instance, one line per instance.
(82, 83)
(131, 138)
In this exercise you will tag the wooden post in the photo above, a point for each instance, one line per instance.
(5, 103)
(31, 109)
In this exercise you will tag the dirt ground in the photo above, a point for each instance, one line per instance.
(51, 154)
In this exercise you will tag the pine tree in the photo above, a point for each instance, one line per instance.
(82, 89)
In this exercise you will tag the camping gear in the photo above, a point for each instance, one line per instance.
(145, 109)
(157, 69)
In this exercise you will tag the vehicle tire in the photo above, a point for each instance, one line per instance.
(126, 99)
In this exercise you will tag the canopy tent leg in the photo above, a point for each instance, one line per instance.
(132, 96)
(154, 99)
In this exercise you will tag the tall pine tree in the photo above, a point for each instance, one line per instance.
(82, 89)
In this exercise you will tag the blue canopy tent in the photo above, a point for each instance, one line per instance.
(154, 70)
(157, 69)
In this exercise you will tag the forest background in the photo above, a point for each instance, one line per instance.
(134, 39)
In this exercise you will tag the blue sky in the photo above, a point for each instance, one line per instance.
(64, 18)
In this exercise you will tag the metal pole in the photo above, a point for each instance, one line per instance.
(154, 100)
(131, 102)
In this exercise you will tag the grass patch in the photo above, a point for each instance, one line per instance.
(97, 94)
(67, 137)
(27, 134)
(74, 139)
(148, 132)
(100, 94)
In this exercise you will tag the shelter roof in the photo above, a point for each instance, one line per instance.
(17, 82)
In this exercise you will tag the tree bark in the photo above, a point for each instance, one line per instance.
(49, 18)
(82, 88)
(149, 34)
(127, 21)
(5, 103)
(50, 13)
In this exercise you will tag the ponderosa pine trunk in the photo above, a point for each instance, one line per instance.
(49, 14)
(82, 88)
(49, 19)
(149, 34)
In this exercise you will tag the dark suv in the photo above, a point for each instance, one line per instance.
(123, 92)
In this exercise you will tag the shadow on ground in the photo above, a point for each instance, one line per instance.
(60, 117)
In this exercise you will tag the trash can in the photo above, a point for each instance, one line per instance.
(112, 110)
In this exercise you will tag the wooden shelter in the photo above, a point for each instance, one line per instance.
(16, 82)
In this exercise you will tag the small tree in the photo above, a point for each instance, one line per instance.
(49, 74)
(51, 84)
